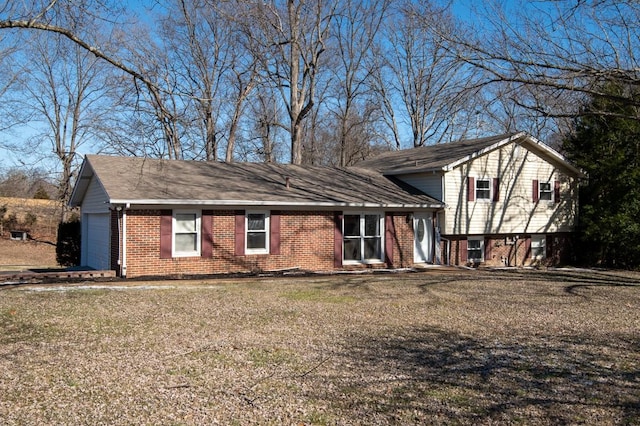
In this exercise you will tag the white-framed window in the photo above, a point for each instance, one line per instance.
(362, 237)
(545, 192)
(257, 232)
(538, 247)
(483, 189)
(475, 249)
(186, 233)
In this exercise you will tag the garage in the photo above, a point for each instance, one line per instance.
(96, 247)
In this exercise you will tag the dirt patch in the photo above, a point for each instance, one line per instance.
(23, 255)
(555, 347)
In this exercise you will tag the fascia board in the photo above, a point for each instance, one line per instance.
(552, 153)
(547, 150)
(81, 185)
(483, 151)
(414, 170)
(83, 182)
(248, 203)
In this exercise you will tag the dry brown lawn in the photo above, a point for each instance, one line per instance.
(23, 255)
(437, 347)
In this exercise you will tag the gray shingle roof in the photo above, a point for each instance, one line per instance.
(431, 157)
(144, 181)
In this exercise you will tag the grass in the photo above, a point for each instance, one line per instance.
(521, 347)
(317, 295)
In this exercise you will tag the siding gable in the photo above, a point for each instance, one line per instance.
(515, 175)
(95, 199)
(429, 183)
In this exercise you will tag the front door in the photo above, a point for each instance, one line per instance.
(423, 237)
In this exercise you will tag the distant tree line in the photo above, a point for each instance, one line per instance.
(27, 183)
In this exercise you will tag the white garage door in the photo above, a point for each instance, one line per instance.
(97, 241)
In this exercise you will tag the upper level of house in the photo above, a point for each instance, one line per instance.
(505, 184)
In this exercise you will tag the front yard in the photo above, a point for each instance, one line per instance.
(461, 347)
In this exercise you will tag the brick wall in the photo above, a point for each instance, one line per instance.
(306, 242)
(403, 247)
(499, 251)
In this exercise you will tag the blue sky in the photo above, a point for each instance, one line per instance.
(463, 9)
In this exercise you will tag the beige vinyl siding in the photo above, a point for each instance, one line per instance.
(515, 212)
(429, 183)
(95, 199)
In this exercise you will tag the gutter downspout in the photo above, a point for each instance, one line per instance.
(123, 266)
(122, 238)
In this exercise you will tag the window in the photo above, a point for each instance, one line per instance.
(538, 247)
(475, 249)
(362, 237)
(186, 234)
(483, 189)
(546, 192)
(257, 232)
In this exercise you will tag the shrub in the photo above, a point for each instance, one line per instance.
(30, 220)
(68, 244)
(41, 194)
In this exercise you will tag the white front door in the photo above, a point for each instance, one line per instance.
(423, 237)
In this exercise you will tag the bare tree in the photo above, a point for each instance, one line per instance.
(559, 49)
(64, 90)
(243, 79)
(290, 38)
(263, 129)
(156, 98)
(356, 27)
(429, 83)
(11, 70)
(41, 15)
(214, 70)
(385, 96)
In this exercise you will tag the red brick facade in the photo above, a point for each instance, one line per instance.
(306, 241)
(510, 251)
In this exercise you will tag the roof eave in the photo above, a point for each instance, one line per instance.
(558, 157)
(483, 151)
(81, 185)
(254, 203)
(413, 170)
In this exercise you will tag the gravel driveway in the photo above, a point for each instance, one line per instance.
(436, 347)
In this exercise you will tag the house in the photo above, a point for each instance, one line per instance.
(144, 217)
(509, 199)
(502, 200)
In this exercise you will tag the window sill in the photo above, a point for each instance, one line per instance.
(181, 255)
(363, 262)
(255, 252)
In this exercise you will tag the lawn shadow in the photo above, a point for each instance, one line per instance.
(435, 376)
(580, 276)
